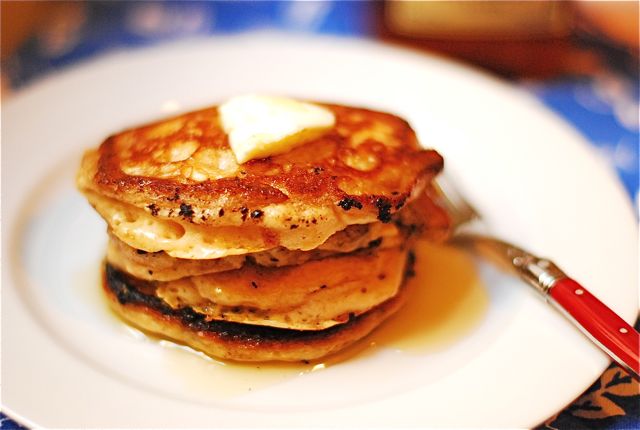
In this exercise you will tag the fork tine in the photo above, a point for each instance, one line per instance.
(459, 209)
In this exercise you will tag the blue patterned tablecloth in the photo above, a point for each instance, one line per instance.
(603, 107)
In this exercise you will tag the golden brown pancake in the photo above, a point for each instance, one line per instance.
(235, 341)
(182, 173)
(310, 296)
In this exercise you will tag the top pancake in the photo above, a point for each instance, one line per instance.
(367, 167)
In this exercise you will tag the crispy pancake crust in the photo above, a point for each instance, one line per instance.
(235, 341)
(365, 168)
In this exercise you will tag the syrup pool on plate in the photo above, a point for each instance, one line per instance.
(446, 302)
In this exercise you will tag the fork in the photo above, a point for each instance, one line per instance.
(597, 321)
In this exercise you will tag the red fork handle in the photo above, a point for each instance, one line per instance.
(620, 340)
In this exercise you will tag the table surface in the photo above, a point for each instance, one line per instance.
(603, 107)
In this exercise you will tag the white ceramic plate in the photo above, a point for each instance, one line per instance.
(67, 363)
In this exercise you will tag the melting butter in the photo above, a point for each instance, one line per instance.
(260, 126)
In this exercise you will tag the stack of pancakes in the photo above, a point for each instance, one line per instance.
(289, 257)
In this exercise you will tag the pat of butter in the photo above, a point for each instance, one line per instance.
(261, 126)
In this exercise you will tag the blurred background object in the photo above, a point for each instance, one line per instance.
(510, 38)
(580, 58)
(617, 20)
(539, 39)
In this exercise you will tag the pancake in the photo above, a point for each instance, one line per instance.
(231, 340)
(160, 266)
(310, 296)
(288, 257)
(199, 203)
